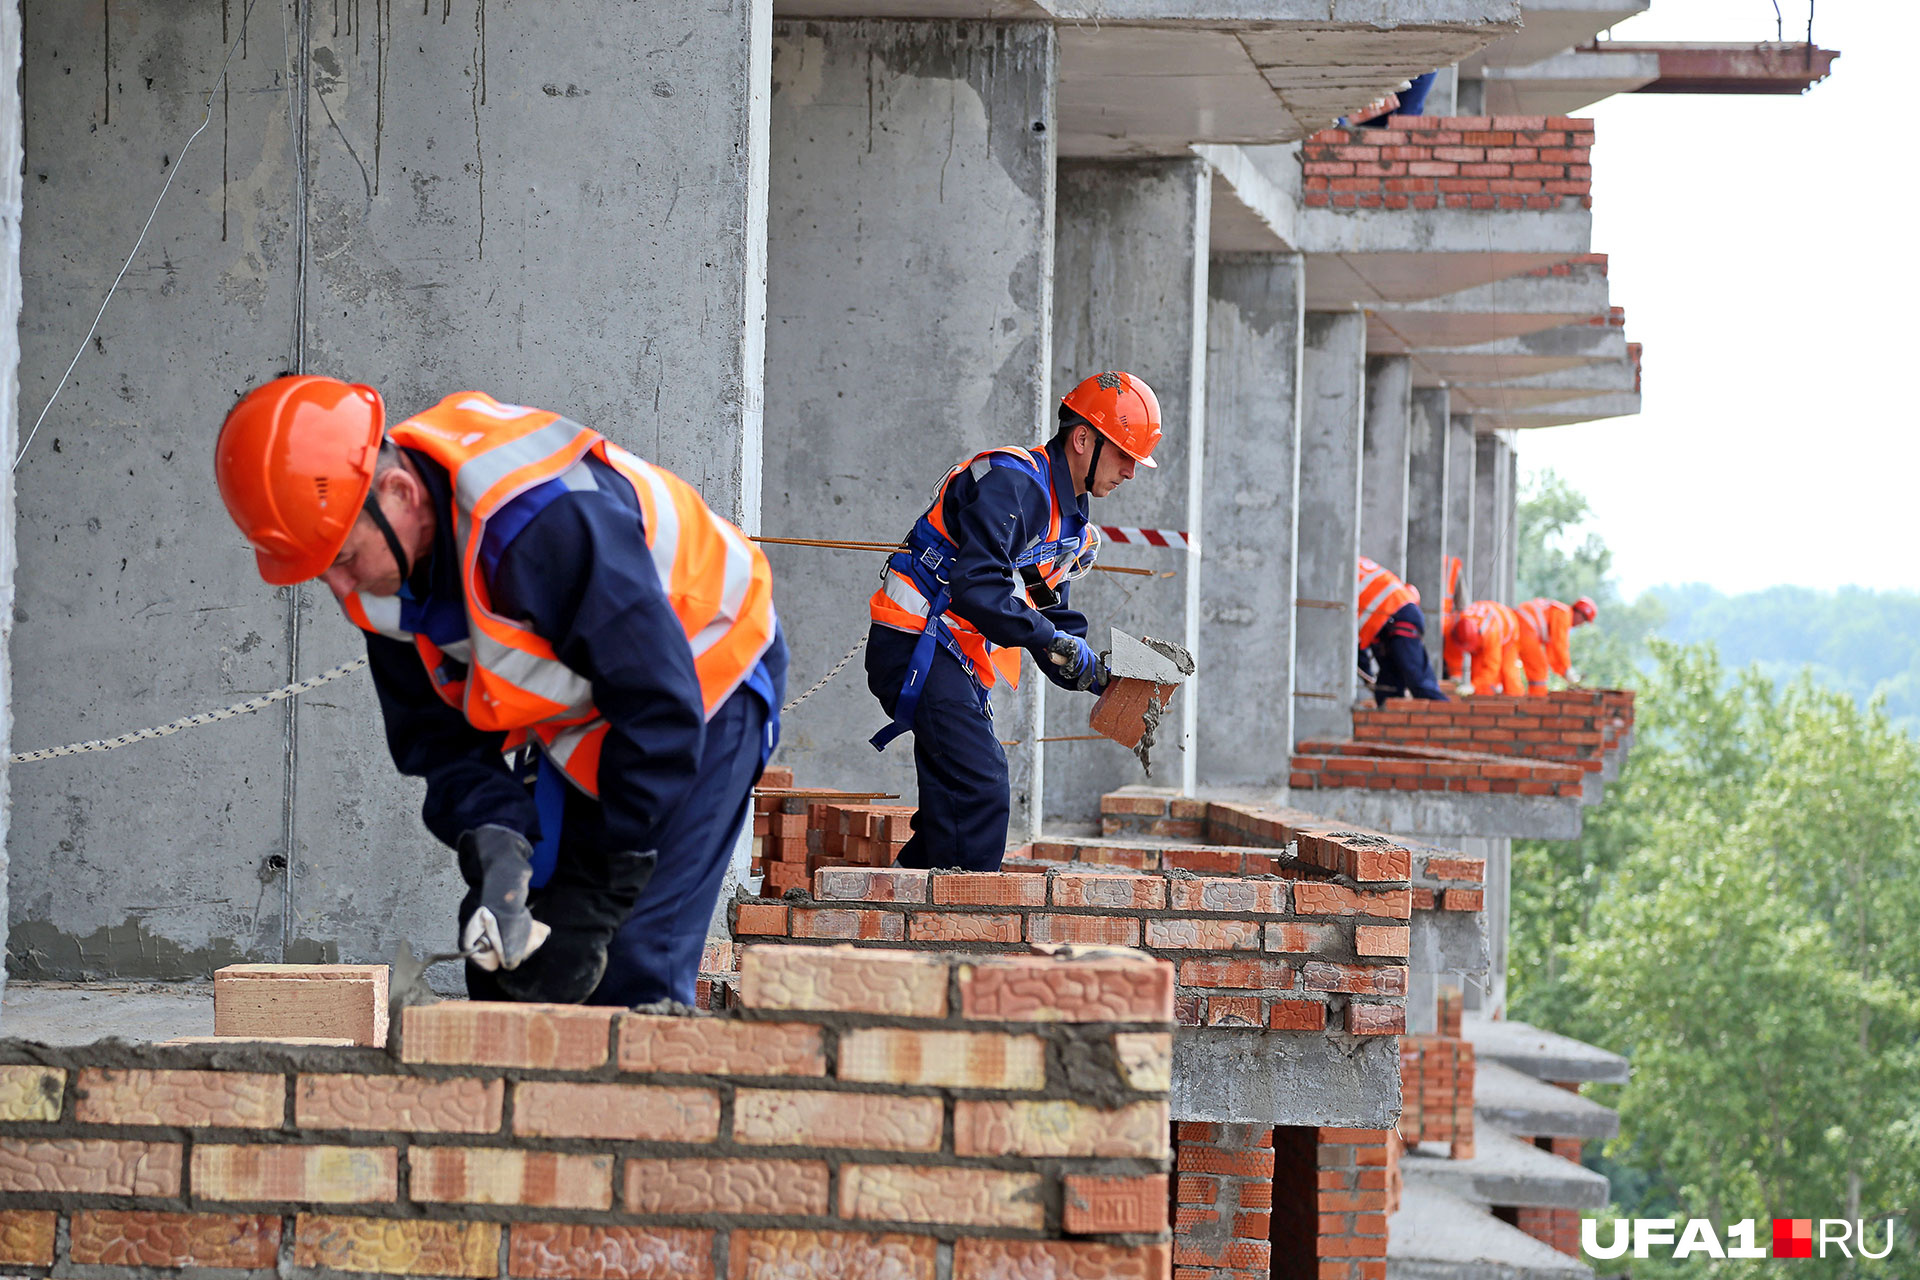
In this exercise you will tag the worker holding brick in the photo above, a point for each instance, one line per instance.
(529, 588)
(1546, 641)
(1487, 634)
(1393, 633)
(983, 575)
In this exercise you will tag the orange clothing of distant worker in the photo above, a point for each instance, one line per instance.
(1546, 642)
(1382, 594)
(1496, 661)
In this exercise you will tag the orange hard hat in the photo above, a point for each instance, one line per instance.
(1122, 408)
(1466, 632)
(295, 463)
(1585, 609)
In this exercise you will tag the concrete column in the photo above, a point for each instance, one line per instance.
(1492, 497)
(1384, 465)
(1332, 406)
(1510, 562)
(910, 266)
(1130, 292)
(1491, 1000)
(1427, 458)
(1460, 480)
(1255, 325)
(10, 158)
(381, 196)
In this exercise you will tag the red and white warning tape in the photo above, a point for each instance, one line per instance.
(1175, 538)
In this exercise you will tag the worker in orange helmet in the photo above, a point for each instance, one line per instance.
(1487, 634)
(1546, 640)
(984, 574)
(577, 655)
(1393, 637)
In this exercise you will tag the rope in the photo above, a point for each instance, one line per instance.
(205, 717)
(821, 683)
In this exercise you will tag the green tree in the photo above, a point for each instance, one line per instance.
(1560, 556)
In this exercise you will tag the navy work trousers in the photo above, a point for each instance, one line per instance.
(964, 796)
(1401, 653)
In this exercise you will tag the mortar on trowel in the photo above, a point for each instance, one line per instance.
(1145, 672)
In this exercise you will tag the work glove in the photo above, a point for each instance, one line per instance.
(1080, 666)
(498, 931)
(585, 905)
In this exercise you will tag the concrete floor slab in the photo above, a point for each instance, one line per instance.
(1532, 1108)
(1438, 1236)
(1507, 1171)
(1545, 1055)
(67, 1013)
(1441, 814)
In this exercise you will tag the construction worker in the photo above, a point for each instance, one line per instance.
(984, 574)
(527, 586)
(1393, 638)
(1545, 637)
(1487, 633)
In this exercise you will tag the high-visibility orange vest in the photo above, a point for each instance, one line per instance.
(901, 603)
(718, 583)
(1552, 621)
(1382, 594)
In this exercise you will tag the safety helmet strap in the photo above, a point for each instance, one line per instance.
(372, 507)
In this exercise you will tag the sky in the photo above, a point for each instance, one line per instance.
(1765, 251)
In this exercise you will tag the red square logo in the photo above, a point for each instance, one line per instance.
(1793, 1237)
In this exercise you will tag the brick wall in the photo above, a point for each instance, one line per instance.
(1377, 766)
(1453, 162)
(1445, 881)
(1225, 1202)
(1333, 1190)
(863, 1113)
(1436, 1093)
(1559, 1228)
(1530, 727)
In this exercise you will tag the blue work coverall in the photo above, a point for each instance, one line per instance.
(670, 780)
(961, 766)
(1400, 653)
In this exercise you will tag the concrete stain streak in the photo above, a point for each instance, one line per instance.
(479, 93)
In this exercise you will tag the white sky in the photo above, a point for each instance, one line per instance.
(1764, 249)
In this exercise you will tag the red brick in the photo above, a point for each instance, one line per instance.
(1381, 940)
(407, 1104)
(720, 1046)
(1474, 869)
(726, 1186)
(852, 884)
(93, 1166)
(1301, 939)
(1237, 1011)
(551, 1249)
(1146, 805)
(1204, 934)
(1114, 931)
(485, 1175)
(201, 1099)
(1297, 1015)
(978, 1259)
(902, 984)
(1122, 891)
(555, 1037)
(991, 889)
(397, 1246)
(619, 1112)
(1376, 1019)
(1389, 980)
(1255, 975)
(1316, 899)
(950, 926)
(837, 922)
(1463, 900)
(1250, 897)
(1089, 989)
(795, 1255)
(760, 918)
(26, 1237)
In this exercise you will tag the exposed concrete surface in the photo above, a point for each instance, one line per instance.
(1532, 1108)
(1506, 1171)
(82, 1012)
(1461, 458)
(1236, 1075)
(1490, 501)
(1438, 1236)
(1255, 325)
(1333, 393)
(1449, 815)
(1427, 459)
(10, 179)
(1546, 1055)
(1452, 942)
(382, 199)
(1384, 466)
(910, 266)
(1130, 292)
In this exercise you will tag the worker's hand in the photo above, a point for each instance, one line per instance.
(1079, 665)
(500, 932)
(586, 914)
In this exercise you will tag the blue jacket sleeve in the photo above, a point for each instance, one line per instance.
(991, 520)
(581, 573)
(468, 783)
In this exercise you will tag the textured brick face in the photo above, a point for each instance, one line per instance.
(322, 1174)
(767, 1117)
(397, 1246)
(480, 1175)
(553, 1037)
(1146, 1059)
(727, 1186)
(933, 1193)
(900, 984)
(102, 1167)
(408, 1104)
(953, 1059)
(560, 1109)
(837, 1255)
(710, 1046)
(31, 1093)
(1057, 1127)
(26, 1237)
(138, 1238)
(1057, 1260)
(612, 1253)
(1112, 1206)
(1021, 990)
(224, 1099)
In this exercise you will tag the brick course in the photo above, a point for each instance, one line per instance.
(1454, 162)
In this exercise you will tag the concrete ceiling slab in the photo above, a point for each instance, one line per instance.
(1506, 308)
(910, 10)
(1256, 199)
(1566, 83)
(1567, 414)
(1581, 382)
(1547, 351)
(1439, 1234)
(1365, 257)
(1549, 26)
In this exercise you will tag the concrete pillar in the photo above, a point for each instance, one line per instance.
(9, 402)
(1491, 1000)
(1427, 458)
(1384, 465)
(1130, 292)
(380, 196)
(1332, 406)
(1510, 562)
(1255, 325)
(910, 264)
(1460, 482)
(1492, 499)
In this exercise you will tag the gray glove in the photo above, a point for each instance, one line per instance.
(498, 931)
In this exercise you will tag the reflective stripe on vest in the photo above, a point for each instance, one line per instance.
(1535, 612)
(1382, 594)
(718, 584)
(1499, 625)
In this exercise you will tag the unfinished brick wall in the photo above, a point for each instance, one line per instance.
(1333, 1191)
(1224, 1201)
(1452, 162)
(1378, 766)
(1445, 881)
(863, 1113)
(1558, 1228)
(1436, 1093)
(1537, 728)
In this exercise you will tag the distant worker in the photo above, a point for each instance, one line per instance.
(985, 574)
(1393, 638)
(1487, 634)
(528, 586)
(1545, 639)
